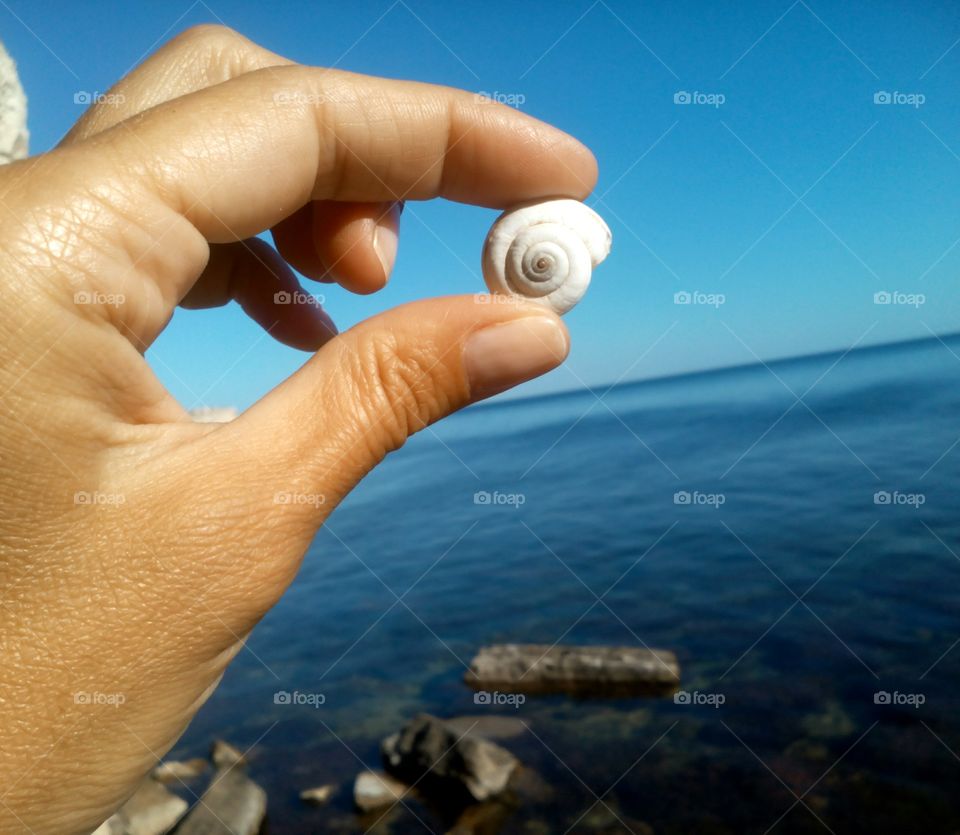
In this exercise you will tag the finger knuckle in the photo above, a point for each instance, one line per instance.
(402, 387)
(209, 38)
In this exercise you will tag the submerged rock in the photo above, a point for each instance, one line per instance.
(375, 790)
(232, 805)
(318, 796)
(530, 787)
(831, 723)
(174, 770)
(151, 810)
(605, 819)
(445, 762)
(486, 818)
(488, 727)
(596, 670)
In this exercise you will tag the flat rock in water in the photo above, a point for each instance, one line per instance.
(174, 770)
(596, 670)
(151, 810)
(318, 796)
(445, 762)
(374, 790)
(232, 805)
(488, 727)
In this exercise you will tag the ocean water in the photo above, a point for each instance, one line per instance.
(791, 531)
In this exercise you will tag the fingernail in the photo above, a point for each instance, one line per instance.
(386, 238)
(501, 356)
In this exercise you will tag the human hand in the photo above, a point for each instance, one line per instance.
(146, 587)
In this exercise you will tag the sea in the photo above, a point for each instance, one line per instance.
(791, 530)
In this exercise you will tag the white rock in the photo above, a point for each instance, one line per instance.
(173, 770)
(374, 790)
(14, 137)
(152, 810)
(232, 805)
(318, 796)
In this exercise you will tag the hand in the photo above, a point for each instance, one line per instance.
(139, 547)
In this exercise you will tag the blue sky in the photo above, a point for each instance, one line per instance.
(783, 193)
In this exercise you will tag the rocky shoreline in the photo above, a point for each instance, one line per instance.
(454, 766)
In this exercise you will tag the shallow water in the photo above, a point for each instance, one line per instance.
(782, 585)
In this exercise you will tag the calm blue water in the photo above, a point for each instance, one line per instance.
(788, 489)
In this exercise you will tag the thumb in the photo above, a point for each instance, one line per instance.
(310, 441)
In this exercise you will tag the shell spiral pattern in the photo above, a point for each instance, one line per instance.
(545, 252)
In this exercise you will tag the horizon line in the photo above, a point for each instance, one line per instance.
(608, 386)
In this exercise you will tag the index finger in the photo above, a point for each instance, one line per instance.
(237, 158)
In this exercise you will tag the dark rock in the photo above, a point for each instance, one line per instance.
(232, 805)
(597, 670)
(442, 761)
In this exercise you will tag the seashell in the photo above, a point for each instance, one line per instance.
(545, 251)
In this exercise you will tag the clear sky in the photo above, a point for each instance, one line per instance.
(782, 189)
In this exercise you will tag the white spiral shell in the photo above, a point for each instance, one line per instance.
(545, 252)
